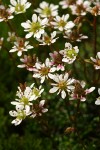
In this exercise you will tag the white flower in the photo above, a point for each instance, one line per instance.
(47, 10)
(44, 70)
(74, 35)
(28, 62)
(66, 3)
(1, 42)
(57, 60)
(20, 114)
(38, 109)
(36, 27)
(96, 61)
(20, 46)
(62, 23)
(80, 8)
(5, 13)
(69, 53)
(97, 102)
(24, 102)
(11, 37)
(94, 10)
(24, 97)
(63, 84)
(36, 93)
(79, 91)
(19, 6)
(47, 40)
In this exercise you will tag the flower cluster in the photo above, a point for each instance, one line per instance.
(82, 7)
(26, 103)
(48, 28)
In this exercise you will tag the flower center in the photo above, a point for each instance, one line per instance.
(58, 59)
(61, 23)
(35, 91)
(19, 8)
(79, 90)
(71, 53)
(46, 11)
(37, 110)
(98, 62)
(62, 85)
(12, 38)
(80, 8)
(24, 100)
(47, 39)
(44, 71)
(35, 26)
(21, 115)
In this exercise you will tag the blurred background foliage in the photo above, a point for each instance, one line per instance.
(55, 129)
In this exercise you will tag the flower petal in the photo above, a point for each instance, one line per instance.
(63, 94)
(53, 90)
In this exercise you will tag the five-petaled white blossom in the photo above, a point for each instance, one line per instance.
(19, 6)
(20, 113)
(11, 37)
(20, 46)
(24, 98)
(79, 92)
(47, 10)
(36, 93)
(80, 8)
(62, 23)
(5, 13)
(62, 84)
(48, 40)
(36, 27)
(69, 53)
(44, 70)
(39, 109)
